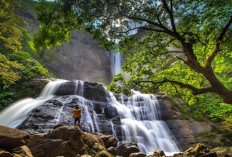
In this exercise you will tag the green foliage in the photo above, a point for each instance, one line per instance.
(17, 65)
(228, 124)
(27, 4)
(206, 134)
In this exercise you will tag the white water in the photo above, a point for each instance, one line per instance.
(139, 117)
(17, 112)
(141, 123)
(116, 63)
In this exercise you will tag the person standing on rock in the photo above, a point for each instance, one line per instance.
(77, 115)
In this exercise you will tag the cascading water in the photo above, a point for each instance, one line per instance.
(139, 114)
(16, 113)
(141, 123)
(116, 63)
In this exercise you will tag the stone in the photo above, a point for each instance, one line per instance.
(111, 150)
(109, 140)
(199, 147)
(110, 112)
(23, 151)
(140, 154)
(125, 149)
(213, 154)
(57, 126)
(158, 153)
(104, 154)
(12, 138)
(117, 120)
(64, 141)
(5, 153)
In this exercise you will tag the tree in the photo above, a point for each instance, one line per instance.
(10, 37)
(200, 28)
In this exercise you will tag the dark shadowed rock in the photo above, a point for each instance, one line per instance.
(98, 109)
(5, 153)
(109, 140)
(12, 138)
(140, 154)
(117, 120)
(110, 112)
(111, 150)
(57, 126)
(125, 149)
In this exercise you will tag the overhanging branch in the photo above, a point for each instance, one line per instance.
(217, 45)
(195, 91)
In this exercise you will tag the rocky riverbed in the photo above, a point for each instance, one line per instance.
(72, 142)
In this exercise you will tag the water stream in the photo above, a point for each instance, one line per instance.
(16, 113)
(139, 114)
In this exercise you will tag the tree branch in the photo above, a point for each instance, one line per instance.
(217, 45)
(194, 90)
(170, 14)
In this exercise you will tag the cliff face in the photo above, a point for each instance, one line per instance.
(82, 57)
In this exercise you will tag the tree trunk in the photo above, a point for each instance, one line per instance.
(217, 86)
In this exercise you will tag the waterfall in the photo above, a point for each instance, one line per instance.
(16, 113)
(116, 63)
(141, 123)
(79, 88)
(139, 114)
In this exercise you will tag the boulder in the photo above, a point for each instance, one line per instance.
(5, 153)
(222, 151)
(199, 147)
(57, 126)
(111, 150)
(140, 154)
(23, 151)
(12, 138)
(158, 153)
(104, 154)
(125, 149)
(110, 112)
(117, 120)
(64, 141)
(109, 140)
(212, 154)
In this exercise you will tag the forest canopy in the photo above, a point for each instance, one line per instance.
(199, 28)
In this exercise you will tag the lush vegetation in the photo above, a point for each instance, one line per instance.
(197, 64)
(17, 65)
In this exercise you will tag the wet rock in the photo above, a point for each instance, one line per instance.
(158, 153)
(125, 149)
(110, 112)
(12, 138)
(98, 109)
(140, 154)
(109, 140)
(111, 150)
(117, 120)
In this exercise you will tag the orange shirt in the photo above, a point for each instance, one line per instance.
(77, 112)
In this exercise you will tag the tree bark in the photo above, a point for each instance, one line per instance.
(217, 86)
